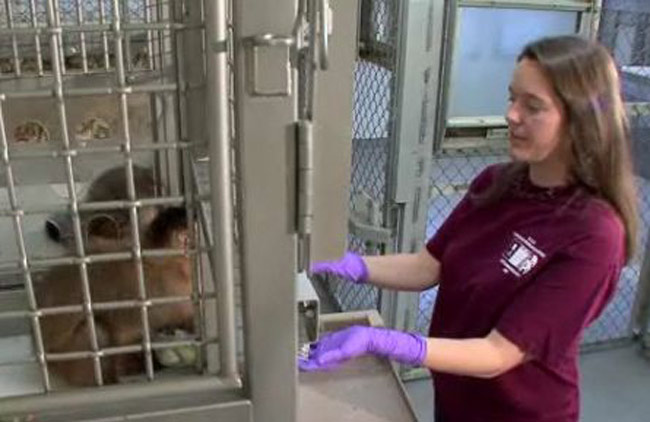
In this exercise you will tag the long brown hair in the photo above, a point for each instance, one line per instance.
(586, 80)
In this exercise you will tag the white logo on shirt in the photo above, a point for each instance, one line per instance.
(521, 255)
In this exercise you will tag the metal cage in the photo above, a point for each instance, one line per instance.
(90, 85)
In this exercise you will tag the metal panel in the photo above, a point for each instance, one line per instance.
(333, 134)
(416, 101)
(118, 400)
(267, 169)
(373, 136)
(232, 412)
(560, 5)
(219, 138)
(365, 389)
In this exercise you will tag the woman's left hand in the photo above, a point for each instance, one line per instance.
(337, 347)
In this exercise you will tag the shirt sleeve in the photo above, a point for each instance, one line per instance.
(437, 244)
(546, 318)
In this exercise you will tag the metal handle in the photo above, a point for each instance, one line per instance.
(324, 20)
(268, 39)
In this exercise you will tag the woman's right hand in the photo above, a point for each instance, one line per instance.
(350, 267)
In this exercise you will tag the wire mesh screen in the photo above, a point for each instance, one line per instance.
(625, 29)
(373, 132)
(97, 284)
(451, 173)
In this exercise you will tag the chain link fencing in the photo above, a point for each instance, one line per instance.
(625, 30)
(373, 135)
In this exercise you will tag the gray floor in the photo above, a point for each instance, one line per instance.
(615, 387)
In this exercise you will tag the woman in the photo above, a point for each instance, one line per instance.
(527, 259)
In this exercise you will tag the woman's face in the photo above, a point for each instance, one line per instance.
(535, 117)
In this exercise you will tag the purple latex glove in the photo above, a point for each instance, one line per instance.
(335, 348)
(351, 267)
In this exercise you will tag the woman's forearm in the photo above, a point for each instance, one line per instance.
(413, 272)
(476, 357)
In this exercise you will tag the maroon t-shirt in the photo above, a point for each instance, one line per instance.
(538, 265)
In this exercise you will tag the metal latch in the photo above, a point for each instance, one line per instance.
(365, 220)
(269, 65)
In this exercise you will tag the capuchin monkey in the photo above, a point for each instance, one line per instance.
(118, 281)
(107, 224)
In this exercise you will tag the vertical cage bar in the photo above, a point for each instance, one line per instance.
(14, 40)
(82, 36)
(148, 19)
(220, 180)
(175, 103)
(190, 54)
(102, 21)
(126, 36)
(200, 317)
(189, 193)
(133, 212)
(159, 40)
(596, 16)
(22, 250)
(55, 52)
(57, 22)
(37, 38)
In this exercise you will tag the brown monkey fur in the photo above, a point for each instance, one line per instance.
(114, 281)
(107, 224)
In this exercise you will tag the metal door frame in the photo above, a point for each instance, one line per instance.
(264, 128)
(408, 180)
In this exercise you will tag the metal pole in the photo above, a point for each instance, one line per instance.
(147, 19)
(102, 20)
(37, 39)
(82, 36)
(595, 17)
(218, 132)
(14, 42)
(118, 37)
